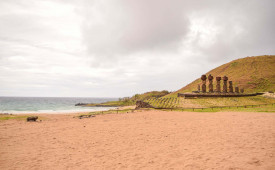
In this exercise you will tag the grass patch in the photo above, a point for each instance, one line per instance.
(129, 101)
(114, 103)
(233, 101)
(18, 117)
(262, 108)
(234, 64)
(179, 102)
(13, 117)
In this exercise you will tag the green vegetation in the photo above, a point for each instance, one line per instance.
(178, 102)
(234, 64)
(128, 101)
(15, 117)
(232, 101)
(171, 102)
(250, 108)
(262, 84)
(125, 102)
(260, 108)
(254, 74)
(148, 95)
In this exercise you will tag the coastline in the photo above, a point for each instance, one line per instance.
(80, 111)
(51, 105)
(57, 111)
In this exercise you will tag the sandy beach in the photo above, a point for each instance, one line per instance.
(141, 140)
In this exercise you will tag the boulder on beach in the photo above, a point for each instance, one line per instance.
(32, 118)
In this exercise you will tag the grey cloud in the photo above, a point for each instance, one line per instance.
(247, 29)
(127, 27)
(130, 26)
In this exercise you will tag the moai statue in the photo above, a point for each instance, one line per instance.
(225, 84)
(218, 86)
(199, 88)
(210, 79)
(236, 89)
(242, 90)
(230, 87)
(203, 87)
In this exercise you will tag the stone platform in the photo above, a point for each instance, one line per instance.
(201, 95)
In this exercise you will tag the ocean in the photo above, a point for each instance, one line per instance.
(17, 105)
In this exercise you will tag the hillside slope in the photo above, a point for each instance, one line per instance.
(254, 74)
(128, 101)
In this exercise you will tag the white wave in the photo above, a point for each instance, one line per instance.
(94, 109)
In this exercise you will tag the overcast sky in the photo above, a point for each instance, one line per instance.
(117, 48)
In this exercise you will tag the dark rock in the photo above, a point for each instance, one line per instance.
(199, 88)
(32, 118)
(218, 78)
(210, 79)
(142, 104)
(218, 86)
(203, 77)
(203, 86)
(225, 78)
(80, 104)
(225, 84)
(85, 116)
(237, 89)
(231, 87)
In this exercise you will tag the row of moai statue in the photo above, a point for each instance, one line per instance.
(218, 86)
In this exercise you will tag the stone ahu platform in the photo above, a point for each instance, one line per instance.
(200, 95)
(225, 91)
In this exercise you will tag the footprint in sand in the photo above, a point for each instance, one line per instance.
(254, 161)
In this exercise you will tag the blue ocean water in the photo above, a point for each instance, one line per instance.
(49, 104)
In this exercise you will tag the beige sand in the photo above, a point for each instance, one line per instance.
(141, 140)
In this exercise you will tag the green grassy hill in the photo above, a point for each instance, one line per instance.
(254, 74)
(128, 101)
(151, 94)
